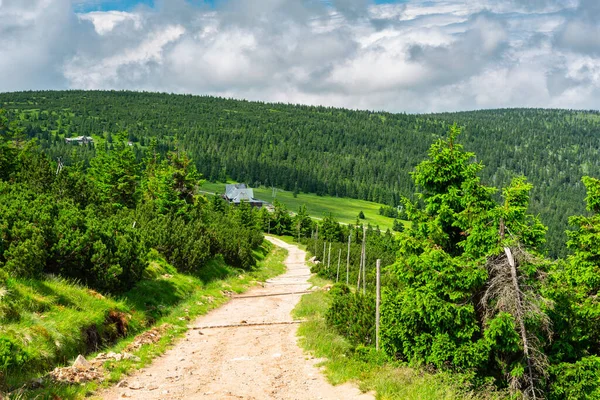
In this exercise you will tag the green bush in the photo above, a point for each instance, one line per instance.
(11, 355)
(579, 380)
(352, 315)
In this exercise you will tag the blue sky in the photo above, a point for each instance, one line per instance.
(413, 56)
(128, 5)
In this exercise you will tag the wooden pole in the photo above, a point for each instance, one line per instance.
(316, 240)
(324, 248)
(329, 256)
(364, 260)
(337, 277)
(348, 260)
(359, 269)
(377, 302)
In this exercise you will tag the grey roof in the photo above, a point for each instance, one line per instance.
(80, 139)
(239, 192)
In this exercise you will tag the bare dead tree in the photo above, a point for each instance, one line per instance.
(507, 291)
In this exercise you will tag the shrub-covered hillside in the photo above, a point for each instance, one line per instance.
(359, 154)
(107, 227)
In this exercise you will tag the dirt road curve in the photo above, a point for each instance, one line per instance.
(253, 362)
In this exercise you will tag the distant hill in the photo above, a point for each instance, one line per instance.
(328, 151)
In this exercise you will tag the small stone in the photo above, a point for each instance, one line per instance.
(121, 384)
(81, 363)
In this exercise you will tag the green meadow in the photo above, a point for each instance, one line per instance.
(343, 209)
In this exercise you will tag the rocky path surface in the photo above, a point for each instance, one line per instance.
(241, 362)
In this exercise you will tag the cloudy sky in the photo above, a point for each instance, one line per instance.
(412, 55)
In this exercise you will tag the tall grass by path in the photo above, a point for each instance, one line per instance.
(163, 297)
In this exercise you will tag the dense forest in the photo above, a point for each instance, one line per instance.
(359, 154)
(467, 291)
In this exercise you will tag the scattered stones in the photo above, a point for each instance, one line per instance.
(148, 337)
(77, 374)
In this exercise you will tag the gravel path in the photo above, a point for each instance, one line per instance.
(243, 362)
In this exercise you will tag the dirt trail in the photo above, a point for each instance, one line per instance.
(253, 362)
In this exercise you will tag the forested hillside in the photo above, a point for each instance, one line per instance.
(360, 154)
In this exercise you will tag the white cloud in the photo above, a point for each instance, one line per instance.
(418, 56)
(105, 22)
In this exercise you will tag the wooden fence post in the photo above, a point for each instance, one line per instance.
(329, 256)
(337, 277)
(348, 260)
(377, 302)
(316, 241)
(364, 260)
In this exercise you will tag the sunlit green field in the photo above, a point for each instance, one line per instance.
(343, 209)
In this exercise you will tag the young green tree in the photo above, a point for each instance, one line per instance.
(281, 221)
(303, 224)
(435, 313)
(330, 229)
(116, 175)
(171, 184)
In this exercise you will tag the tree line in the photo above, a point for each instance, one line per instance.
(359, 154)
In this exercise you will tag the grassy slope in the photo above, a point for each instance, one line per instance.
(54, 312)
(372, 371)
(343, 209)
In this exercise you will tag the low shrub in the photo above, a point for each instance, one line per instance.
(352, 315)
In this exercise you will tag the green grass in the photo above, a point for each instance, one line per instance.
(56, 310)
(343, 209)
(369, 369)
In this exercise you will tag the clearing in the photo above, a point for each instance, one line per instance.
(244, 360)
(343, 209)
